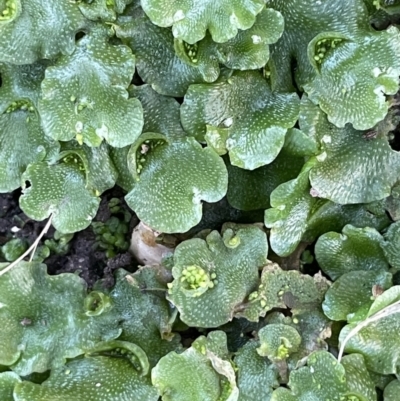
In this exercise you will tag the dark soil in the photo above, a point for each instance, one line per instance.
(83, 256)
(395, 142)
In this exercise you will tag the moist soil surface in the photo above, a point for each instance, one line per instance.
(83, 255)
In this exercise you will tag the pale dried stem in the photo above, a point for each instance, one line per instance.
(32, 248)
(385, 312)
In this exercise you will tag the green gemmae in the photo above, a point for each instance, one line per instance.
(196, 278)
